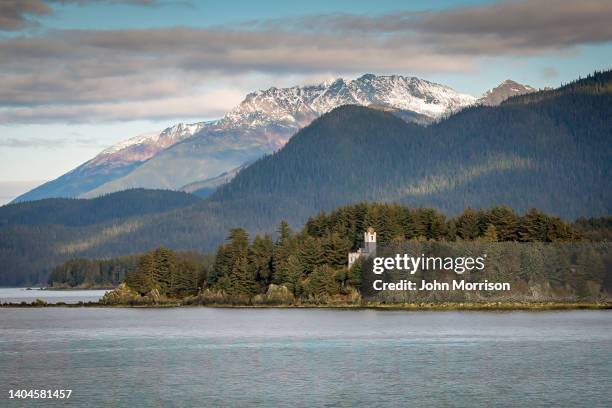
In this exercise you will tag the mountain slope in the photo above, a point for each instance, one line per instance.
(551, 150)
(206, 187)
(532, 155)
(79, 212)
(112, 163)
(261, 124)
(266, 120)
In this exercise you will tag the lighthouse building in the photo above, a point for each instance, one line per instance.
(368, 250)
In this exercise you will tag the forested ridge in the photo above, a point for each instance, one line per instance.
(552, 152)
(79, 212)
(310, 265)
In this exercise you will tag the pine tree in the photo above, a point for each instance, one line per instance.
(322, 282)
(142, 279)
(164, 269)
(335, 250)
(185, 279)
(311, 254)
(467, 225)
(284, 232)
(260, 259)
(293, 275)
(354, 274)
(506, 222)
(534, 226)
(490, 234)
(242, 282)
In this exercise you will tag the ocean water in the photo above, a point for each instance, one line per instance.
(18, 295)
(207, 357)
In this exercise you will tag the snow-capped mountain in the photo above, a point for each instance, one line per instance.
(298, 106)
(262, 123)
(503, 91)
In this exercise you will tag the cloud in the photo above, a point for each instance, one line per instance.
(18, 14)
(88, 75)
(502, 28)
(111, 75)
(205, 105)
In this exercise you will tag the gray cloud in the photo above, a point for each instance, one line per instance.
(18, 14)
(93, 67)
(210, 104)
(505, 27)
(156, 73)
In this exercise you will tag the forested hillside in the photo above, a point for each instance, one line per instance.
(78, 212)
(552, 152)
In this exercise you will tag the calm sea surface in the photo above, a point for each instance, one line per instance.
(18, 295)
(208, 357)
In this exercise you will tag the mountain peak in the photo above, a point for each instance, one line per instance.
(262, 123)
(298, 106)
(503, 91)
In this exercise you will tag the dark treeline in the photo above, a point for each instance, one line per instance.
(169, 273)
(310, 265)
(79, 212)
(106, 273)
(597, 83)
(595, 229)
(92, 273)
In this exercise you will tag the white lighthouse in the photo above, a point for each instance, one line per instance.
(368, 250)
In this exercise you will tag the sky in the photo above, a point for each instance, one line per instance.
(77, 76)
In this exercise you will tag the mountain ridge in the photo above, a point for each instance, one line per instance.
(551, 152)
(264, 121)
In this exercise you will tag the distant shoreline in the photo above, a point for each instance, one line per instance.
(442, 306)
(58, 289)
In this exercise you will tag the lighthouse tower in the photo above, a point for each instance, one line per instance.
(369, 241)
(368, 250)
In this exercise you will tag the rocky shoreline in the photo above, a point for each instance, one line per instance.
(430, 306)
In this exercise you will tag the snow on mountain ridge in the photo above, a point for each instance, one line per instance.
(268, 118)
(300, 105)
(261, 124)
(297, 106)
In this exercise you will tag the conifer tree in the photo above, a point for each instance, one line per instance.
(490, 234)
(335, 250)
(164, 269)
(242, 282)
(293, 275)
(260, 259)
(322, 282)
(142, 278)
(311, 254)
(467, 225)
(506, 222)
